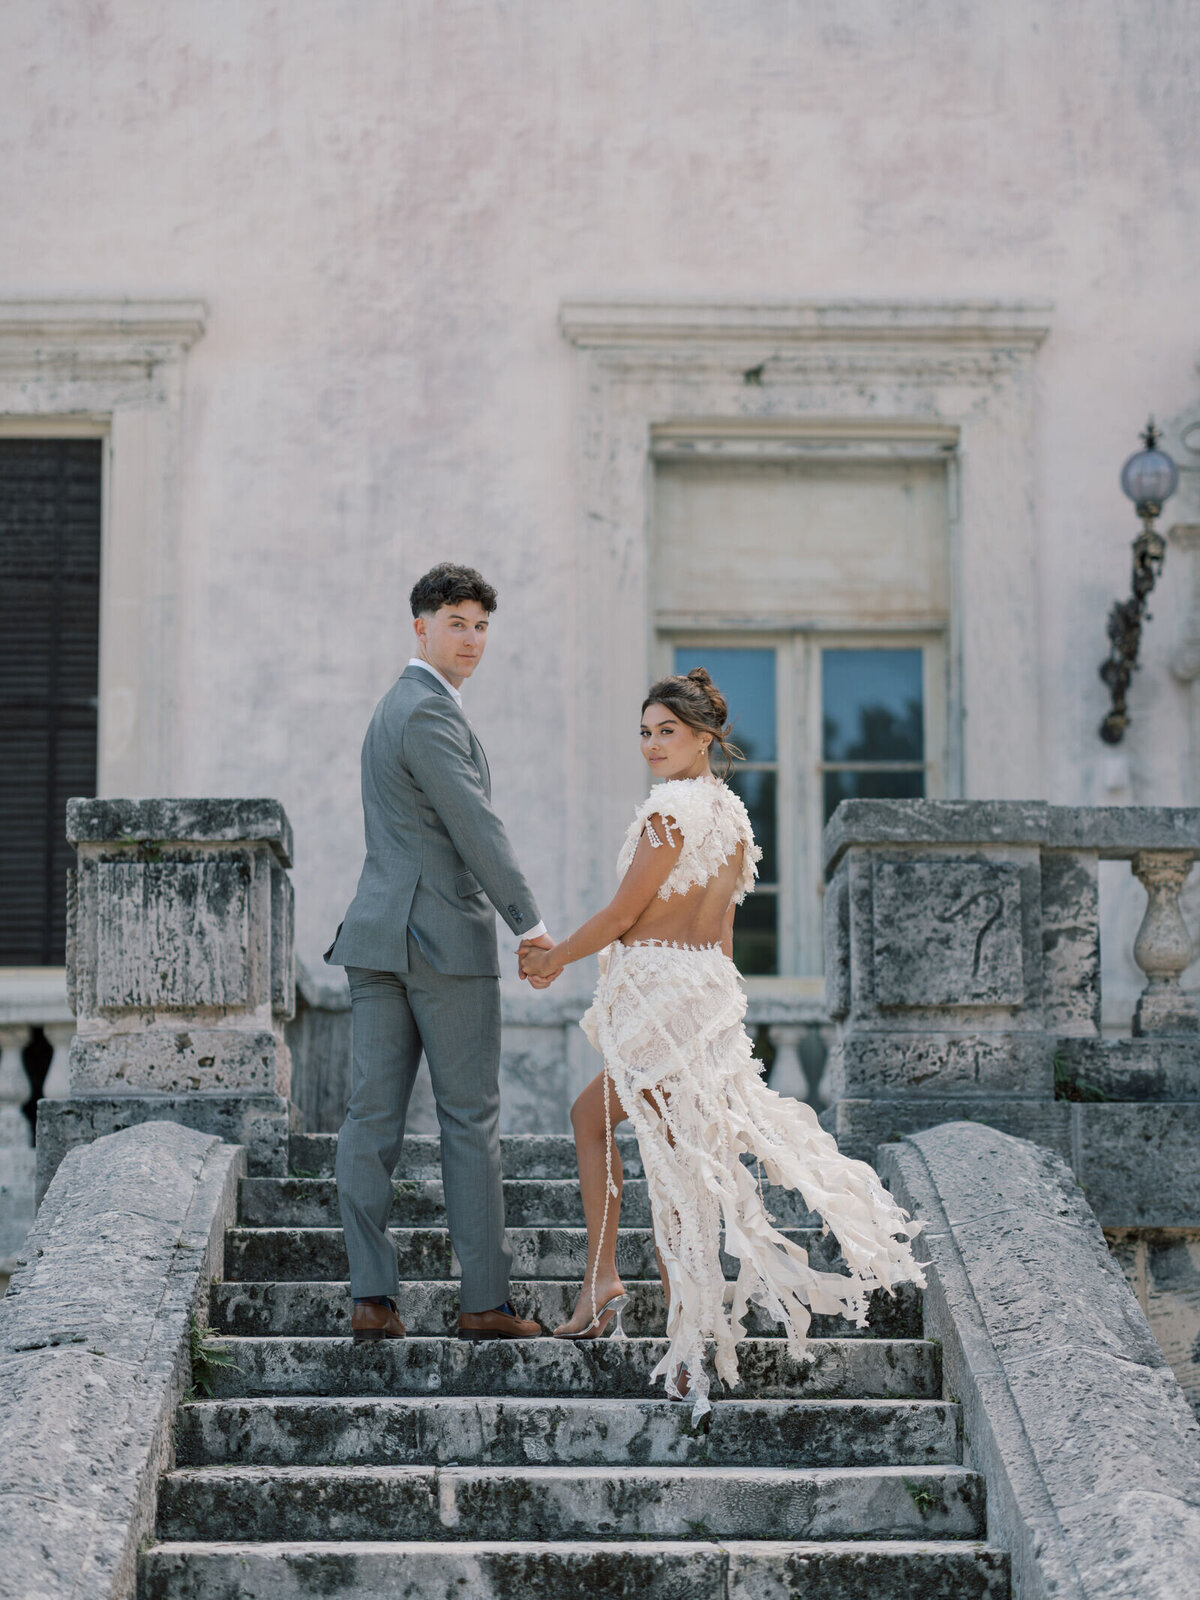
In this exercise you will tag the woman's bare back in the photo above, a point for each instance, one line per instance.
(700, 916)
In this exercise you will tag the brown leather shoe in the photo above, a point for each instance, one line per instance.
(376, 1322)
(479, 1325)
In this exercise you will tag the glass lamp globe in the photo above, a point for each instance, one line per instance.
(1150, 476)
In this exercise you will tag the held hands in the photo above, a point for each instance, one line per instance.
(534, 963)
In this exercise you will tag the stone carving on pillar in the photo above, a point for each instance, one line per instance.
(964, 917)
(180, 970)
(1163, 948)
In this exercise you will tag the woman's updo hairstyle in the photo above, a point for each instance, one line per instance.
(699, 705)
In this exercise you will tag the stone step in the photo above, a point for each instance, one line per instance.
(307, 1254)
(528, 1202)
(522, 1155)
(886, 1369)
(430, 1306)
(560, 1502)
(449, 1431)
(650, 1570)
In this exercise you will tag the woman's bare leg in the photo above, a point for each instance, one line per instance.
(653, 1097)
(587, 1120)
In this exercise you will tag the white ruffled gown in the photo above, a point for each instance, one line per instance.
(668, 1019)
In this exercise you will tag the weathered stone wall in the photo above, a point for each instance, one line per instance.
(1091, 1453)
(385, 207)
(94, 1353)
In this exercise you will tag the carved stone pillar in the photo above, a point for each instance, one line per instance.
(934, 954)
(180, 970)
(1163, 948)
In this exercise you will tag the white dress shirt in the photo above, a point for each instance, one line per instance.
(416, 661)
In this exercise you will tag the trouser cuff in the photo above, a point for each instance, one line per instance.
(486, 1298)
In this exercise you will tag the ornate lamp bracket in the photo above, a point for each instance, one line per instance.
(1149, 478)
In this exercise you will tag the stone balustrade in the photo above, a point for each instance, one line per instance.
(963, 965)
(33, 1002)
(180, 971)
(963, 973)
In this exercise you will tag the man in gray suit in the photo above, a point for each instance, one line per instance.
(419, 947)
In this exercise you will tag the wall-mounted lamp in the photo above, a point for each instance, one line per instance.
(1149, 478)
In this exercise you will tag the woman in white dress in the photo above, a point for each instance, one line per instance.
(667, 1019)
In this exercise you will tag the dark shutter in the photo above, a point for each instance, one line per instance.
(49, 654)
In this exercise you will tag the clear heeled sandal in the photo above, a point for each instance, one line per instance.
(610, 1330)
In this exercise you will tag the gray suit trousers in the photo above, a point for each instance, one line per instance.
(456, 1020)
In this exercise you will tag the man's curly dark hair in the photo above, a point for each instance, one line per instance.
(447, 585)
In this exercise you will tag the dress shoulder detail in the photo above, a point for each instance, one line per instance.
(713, 822)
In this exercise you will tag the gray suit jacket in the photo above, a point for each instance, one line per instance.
(436, 851)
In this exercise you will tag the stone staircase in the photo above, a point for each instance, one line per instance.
(440, 1470)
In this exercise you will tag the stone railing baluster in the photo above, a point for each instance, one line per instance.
(16, 1146)
(1163, 948)
(58, 1079)
(15, 1132)
(787, 1071)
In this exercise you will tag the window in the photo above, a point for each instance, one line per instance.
(821, 718)
(49, 628)
(746, 677)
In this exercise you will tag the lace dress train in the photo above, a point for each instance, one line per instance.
(668, 1022)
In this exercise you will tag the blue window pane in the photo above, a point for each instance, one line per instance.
(747, 680)
(755, 936)
(871, 705)
(868, 785)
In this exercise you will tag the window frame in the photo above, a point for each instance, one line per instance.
(864, 379)
(800, 764)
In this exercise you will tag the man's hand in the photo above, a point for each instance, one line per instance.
(534, 967)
